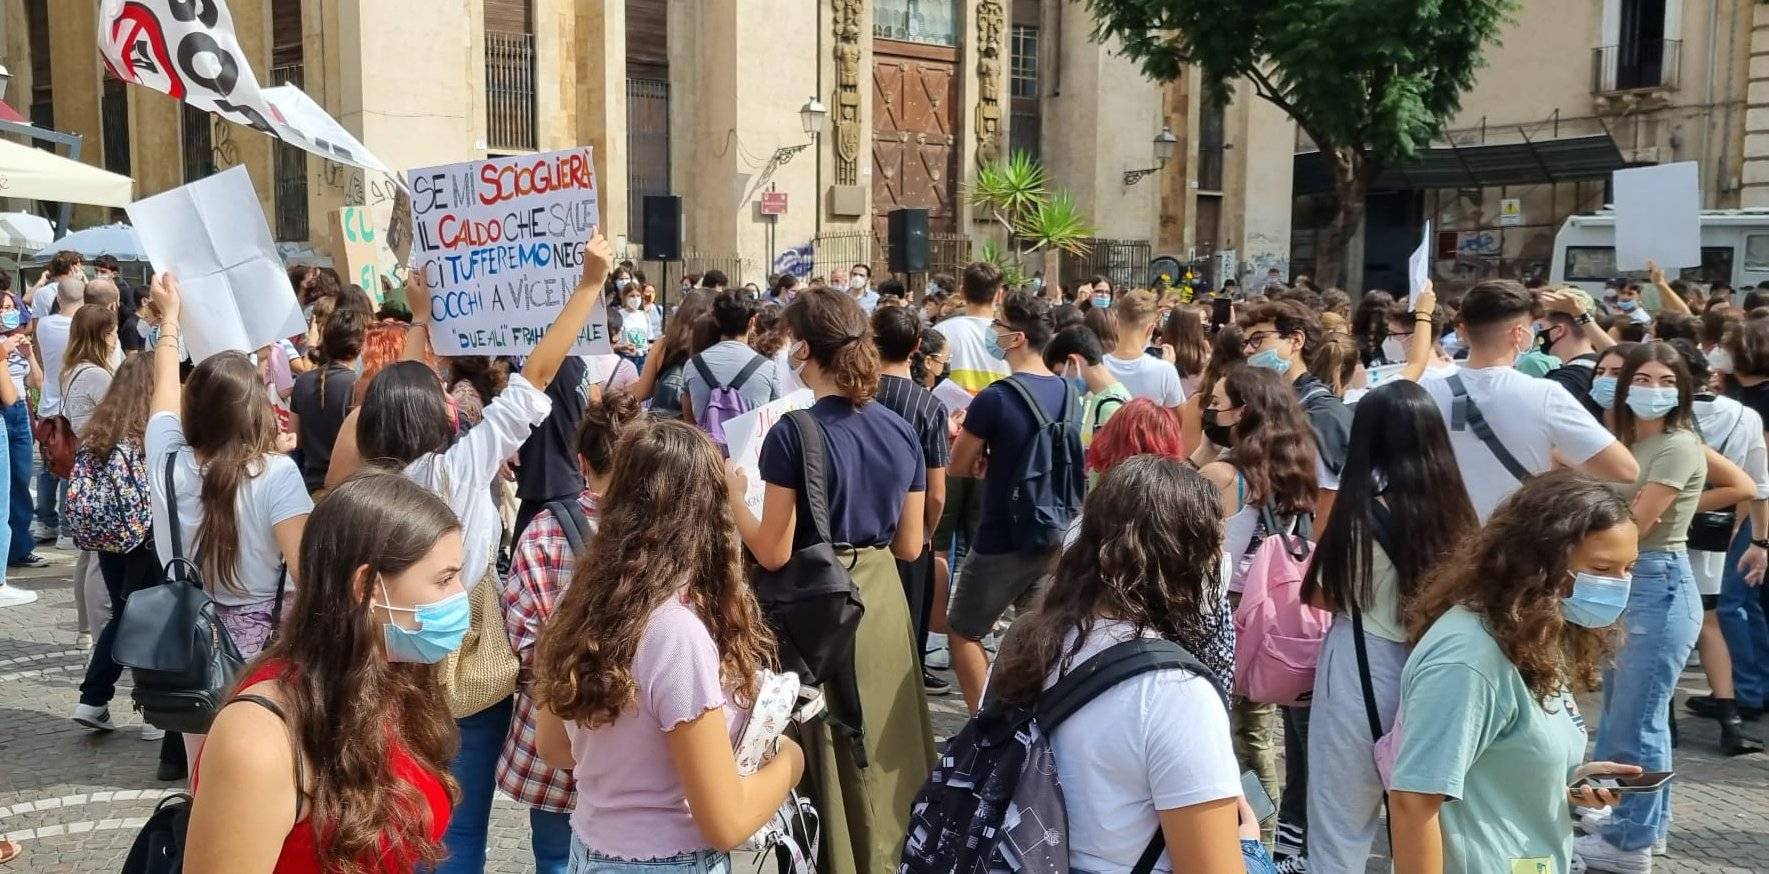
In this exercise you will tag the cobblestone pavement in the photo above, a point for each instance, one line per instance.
(76, 798)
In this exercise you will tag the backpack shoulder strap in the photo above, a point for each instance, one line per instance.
(274, 708)
(177, 531)
(1025, 394)
(1099, 410)
(748, 371)
(1112, 666)
(706, 373)
(571, 521)
(816, 459)
(1464, 412)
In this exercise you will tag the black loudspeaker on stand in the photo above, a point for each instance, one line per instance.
(909, 242)
(663, 227)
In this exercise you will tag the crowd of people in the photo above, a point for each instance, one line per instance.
(1393, 541)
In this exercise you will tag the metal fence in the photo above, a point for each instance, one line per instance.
(1124, 262)
(289, 169)
(509, 91)
(1636, 66)
(947, 252)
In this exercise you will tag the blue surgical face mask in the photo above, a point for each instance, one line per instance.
(1652, 403)
(1626, 306)
(1270, 360)
(441, 627)
(622, 283)
(992, 345)
(1595, 602)
(1102, 301)
(9, 320)
(1603, 391)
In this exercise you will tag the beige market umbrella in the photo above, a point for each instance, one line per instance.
(35, 174)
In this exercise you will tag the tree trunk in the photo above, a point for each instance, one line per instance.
(1351, 184)
(1052, 265)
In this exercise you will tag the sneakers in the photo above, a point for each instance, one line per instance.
(83, 640)
(1292, 865)
(1599, 855)
(149, 733)
(66, 544)
(934, 685)
(1661, 847)
(13, 596)
(30, 560)
(95, 718)
(1709, 707)
(1591, 820)
(937, 656)
(42, 533)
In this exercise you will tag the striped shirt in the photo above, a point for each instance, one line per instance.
(924, 413)
(972, 367)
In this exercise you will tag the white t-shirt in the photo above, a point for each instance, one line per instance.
(1148, 377)
(272, 495)
(468, 468)
(52, 346)
(1155, 742)
(1531, 417)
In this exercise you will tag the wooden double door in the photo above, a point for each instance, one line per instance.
(915, 130)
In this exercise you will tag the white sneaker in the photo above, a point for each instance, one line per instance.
(1661, 847)
(939, 659)
(42, 533)
(66, 544)
(149, 733)
(95, 718)
(1590, 820)
(83, 640)
(1599, 855)
(13, 596)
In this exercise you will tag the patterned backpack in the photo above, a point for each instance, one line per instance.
(108, 509)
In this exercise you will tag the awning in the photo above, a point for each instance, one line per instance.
(7, 113)
(35, 174)
(1489, 166)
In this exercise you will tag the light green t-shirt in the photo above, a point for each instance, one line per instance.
(1473, 732)
(1672, 458)
(1097, 408)
(1382, 616)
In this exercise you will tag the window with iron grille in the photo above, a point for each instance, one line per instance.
(1023, 74)
(113, 120)
(648, 148)
(289, 168)
(509, 91)
(199, 143)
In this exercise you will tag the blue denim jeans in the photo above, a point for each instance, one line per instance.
(1659, 628)
(1743, 625)
(19, 444)
(475, 767)
(1254, 856)
(586, 861)
(551, 835)
(51, 492)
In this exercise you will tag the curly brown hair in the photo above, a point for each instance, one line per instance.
(1274, 448)
(348, 705)
(1148, 553)
(666, 531)
(1513, 572)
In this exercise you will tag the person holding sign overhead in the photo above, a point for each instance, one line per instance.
(404, 423)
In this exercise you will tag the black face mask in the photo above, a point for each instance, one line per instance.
(1545, 339)
(1221, 435)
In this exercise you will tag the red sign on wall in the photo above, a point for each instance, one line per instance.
(773, 203)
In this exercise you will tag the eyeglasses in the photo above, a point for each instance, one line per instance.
(1257, 339)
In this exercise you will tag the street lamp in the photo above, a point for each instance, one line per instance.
(1165, 143)
(812, 116)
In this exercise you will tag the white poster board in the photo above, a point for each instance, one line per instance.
(1658, 217)
(501, 246)
(1419, 270)
(211, 235)
(745, 433)
(953, 396)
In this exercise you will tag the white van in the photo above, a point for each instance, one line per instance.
(1734, 250)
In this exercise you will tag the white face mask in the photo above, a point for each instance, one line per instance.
(1719, 360)
(1395, 349)
(858, 282)
(633, 303)
(794, 361)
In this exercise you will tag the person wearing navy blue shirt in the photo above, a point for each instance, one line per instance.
(998, 422)
(875, 480)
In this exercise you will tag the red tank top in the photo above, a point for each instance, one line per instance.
(300, 854)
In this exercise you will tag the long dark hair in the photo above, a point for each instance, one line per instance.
(1626, 423)
(1274, 449)
(1369, 322)
(347, 702)
(1398, 442)
(404, 415)
(1184, 331)
(689, 330)
(228, 420)
(1148, 553)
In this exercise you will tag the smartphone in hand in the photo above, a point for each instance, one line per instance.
(1651, 781)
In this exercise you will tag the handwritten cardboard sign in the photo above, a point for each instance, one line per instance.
(501, 246)
(745, 434)
(359, 235)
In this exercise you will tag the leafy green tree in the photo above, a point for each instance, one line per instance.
(1015, 192)
(1370, 81)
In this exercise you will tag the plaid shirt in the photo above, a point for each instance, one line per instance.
(538, 576)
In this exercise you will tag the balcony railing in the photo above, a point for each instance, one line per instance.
(509, 91)
(1639, 66)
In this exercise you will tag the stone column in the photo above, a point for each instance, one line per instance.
(600, 104)
(77, 75)
(1755, 192)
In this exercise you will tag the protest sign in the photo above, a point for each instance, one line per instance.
(360, 247)
(501, 246)
(188, 50)
(1658, 217)
(212, 236)
(746, 432)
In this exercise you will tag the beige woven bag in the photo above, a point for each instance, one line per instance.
(483, 670)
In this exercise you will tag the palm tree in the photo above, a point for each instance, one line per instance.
(1015, 193)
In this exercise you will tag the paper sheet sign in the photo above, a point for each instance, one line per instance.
(952, 396)
(1658, 217)
(211, 234)
(1419, 270)
(745, 434)
(359, 235)
(501, 246)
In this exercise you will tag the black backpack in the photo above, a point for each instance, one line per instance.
(1050, 477)
(159, 846)
(993, 804)
(570, 516)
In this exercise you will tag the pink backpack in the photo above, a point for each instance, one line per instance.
(1278, 636)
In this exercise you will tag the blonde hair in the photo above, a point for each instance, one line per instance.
(1134, 308)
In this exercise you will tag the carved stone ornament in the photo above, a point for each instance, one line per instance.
(848, 15)
(991, 22)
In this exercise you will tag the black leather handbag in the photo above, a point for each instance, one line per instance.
(171, 638)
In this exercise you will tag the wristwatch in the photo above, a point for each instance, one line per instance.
(1582, 319)
(1761, 543)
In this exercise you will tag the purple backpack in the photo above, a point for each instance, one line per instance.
(723, 402)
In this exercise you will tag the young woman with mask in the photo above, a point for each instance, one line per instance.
(875, 483)
(333, 754)
(1515, 622)
(1183, 332)
(404, 423)
(1405, 508)
(24, 373)
(649, 666)
(1654, 418)
(1259, 453)
(1153, 754)
(1369, 324)
(241, 505)
(1606, 376)
(928, 364)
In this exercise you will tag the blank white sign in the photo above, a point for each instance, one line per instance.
(1658, 217)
